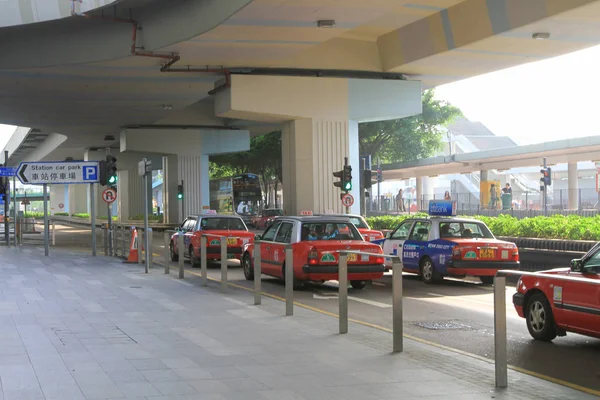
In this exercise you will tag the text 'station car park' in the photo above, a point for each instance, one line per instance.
(363, 227)
(552, 307)
(443, 245)
(266, 217)
(315, 241)
(230, 226)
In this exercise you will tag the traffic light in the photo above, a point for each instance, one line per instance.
(549, 176)
(546, 179)
(347, 178)
(111, 171)
(339, 174)
(368, 178)
(379, 175)
(179, 192)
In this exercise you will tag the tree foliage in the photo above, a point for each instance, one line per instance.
(408, 139)
(263, 159)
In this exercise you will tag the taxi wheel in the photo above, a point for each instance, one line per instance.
(428, 274)
(248, 267)
(487, 280)
(358, 284)
(297, 285)
(174, 256)
(539, 317)
(193, 259)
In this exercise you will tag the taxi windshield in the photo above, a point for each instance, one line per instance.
(359, 222)
(465, 230)
(330, 231)
(226, 224)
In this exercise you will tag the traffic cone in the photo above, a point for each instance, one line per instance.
(133, 251)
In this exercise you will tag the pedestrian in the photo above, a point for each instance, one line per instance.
(447, 196)
(400, 201)
(493, 196)
(507, 189)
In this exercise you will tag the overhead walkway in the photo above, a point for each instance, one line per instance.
(557, 152)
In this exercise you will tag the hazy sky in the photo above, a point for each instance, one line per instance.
(532, 103)
(536, 102)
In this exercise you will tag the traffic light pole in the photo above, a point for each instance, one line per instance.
(378, 187)
(363, 198)
(6, 200)
(345, 164)
(545, 192)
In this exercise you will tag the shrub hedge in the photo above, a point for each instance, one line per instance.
(570, 227)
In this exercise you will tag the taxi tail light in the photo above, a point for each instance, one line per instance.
(379, 260)
(313, 256)
(515, 253)
(456, 253)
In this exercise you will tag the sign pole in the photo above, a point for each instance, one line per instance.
(378, 205)
(110, 232)
(6, 200)
(363, 198)
(93, 218)
(15, 203)
(545, 192)
(46, 224)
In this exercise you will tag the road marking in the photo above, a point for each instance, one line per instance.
(370, 302)
(379, 284)
(436, 294)
(317, 297)
(416, 339)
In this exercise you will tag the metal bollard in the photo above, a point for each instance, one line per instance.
(500, 341)
(397, 322)
(257, 273)
(203, 262)
(289, 280)
(149, 252)
(138, 244)
(167, 253)
(343, 291)
(53, 234)
(181, 252)
(104, 238)
(223, 263)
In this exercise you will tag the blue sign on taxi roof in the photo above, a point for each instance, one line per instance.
(442, 208)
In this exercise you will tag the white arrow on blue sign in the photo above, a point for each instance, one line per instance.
(58, 172)
(8, 171)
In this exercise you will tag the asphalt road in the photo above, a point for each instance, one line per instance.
(456, 313)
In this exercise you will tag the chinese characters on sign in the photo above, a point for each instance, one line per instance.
(58, 172)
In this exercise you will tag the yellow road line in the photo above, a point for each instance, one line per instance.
(423, 341)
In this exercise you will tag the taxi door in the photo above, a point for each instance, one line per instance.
(266, 249)
(416, 245)
(580, 301)
(394, 244)
(187, 228)
(283, 238)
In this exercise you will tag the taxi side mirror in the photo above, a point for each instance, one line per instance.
(388, 235)
(257, 237)
(576, 265)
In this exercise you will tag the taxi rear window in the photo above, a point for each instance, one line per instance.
(359, 222)
(329, 231)
(466, 230)
(232, 224)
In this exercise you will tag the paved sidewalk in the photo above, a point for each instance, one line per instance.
(77, 327)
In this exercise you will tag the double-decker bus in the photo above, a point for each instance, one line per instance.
(239, 194)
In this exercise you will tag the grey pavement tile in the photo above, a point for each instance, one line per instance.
(148, 364)
(191, 374)
(181, 362)
(226, 372)
(25, 394)
(174, 388)
(244, 384)
(281, 394)
(161, 375)
(210, 386)
(138, 389)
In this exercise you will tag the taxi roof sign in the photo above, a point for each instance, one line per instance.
(210, 212)
(442, 208)
(306, 213)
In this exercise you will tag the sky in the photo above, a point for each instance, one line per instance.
(543, 101)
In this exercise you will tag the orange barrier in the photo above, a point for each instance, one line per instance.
(134, 255)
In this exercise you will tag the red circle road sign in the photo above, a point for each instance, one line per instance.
(109, 195)
(61, 206)
(347, 200)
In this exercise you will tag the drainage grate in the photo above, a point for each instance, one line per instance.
(443, 325)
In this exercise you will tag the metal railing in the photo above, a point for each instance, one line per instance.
(500, 334)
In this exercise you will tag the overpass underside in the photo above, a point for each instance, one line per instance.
(179, 81)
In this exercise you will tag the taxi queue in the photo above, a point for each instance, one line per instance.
(435, 247)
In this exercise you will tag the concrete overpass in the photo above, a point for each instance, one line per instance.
(177, 81)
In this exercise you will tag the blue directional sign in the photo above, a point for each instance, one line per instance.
(58, 172)
(8, 171)
(442, 208)
(1, 199)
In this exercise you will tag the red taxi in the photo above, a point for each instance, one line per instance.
(552, 307)
(261, 221)
(316, 241)
(233, 227)
(362, 226)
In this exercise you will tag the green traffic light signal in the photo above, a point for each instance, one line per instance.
(179, 196)
(112, 180)
(179, 192)
(348, 186)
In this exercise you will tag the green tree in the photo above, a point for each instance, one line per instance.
(408, 139)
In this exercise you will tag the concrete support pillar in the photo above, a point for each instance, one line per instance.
(312, 151)
(483, 176)
(59, 194)
(573, 184)
(171, 206)
(78, 195)
(419, 193)
(193, 170)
